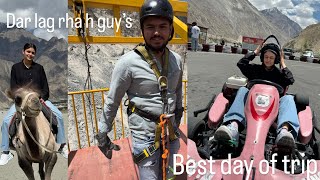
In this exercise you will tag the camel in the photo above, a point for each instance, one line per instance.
(28, 108)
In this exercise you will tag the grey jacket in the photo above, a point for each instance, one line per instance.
(133, 75)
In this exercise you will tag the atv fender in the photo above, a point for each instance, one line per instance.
(305, 120)
(218, 109)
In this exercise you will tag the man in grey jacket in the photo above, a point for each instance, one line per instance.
(133, 75)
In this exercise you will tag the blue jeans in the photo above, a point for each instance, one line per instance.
(194, 44)
(151, 167)
(287, 111)
(6, 122)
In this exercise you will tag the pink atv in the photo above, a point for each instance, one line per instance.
(257, 141)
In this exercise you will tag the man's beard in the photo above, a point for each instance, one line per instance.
(157, 49)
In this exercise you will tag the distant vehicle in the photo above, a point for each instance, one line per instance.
(288, 53)
(307, 56)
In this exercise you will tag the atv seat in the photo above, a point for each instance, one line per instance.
(218, 109)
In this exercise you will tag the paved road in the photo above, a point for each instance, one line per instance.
(12, 171)
(207, 72)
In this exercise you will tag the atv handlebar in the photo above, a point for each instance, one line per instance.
(195, 113)
(261, 81)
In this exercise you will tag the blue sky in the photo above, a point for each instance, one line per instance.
(303, 12)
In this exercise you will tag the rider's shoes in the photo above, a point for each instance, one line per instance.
(5, 158)
(226, 133)
(285, 138)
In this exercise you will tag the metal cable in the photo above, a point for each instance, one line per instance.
(88, 83)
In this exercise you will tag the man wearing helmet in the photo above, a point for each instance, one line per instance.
(288, 121)
(134, 75)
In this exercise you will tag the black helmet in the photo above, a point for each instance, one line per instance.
(274, 48)
(160, 8)
(156, 8)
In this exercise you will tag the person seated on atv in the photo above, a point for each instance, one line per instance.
(288, 123)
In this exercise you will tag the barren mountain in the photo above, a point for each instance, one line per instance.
(286, 25)
(51, 54)
(231, 19)
(309, 38)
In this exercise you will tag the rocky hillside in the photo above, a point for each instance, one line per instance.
(286, 25)
(309, 38)
(51, 54)
(231, 19)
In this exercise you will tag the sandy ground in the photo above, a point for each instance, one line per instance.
(13, 171)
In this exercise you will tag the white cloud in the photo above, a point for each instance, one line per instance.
(3, 17)
(44, 34)
(24, 12)
(304, 10)
(280, 4)
(303, 22)
(301, 13)
(12, 5)
(18, 13)
(43, 8)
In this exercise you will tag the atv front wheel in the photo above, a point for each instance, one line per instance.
(195, 128)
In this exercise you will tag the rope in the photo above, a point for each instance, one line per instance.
(88, 83)
(24, 101)
(165, 149)
(32, 137)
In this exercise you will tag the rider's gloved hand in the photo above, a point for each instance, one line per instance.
(105, 145)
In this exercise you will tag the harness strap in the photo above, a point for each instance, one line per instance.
(163, 123)
(149, 151)
(153, 65)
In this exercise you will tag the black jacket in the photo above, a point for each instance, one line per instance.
(21, 75)
(282, 77)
